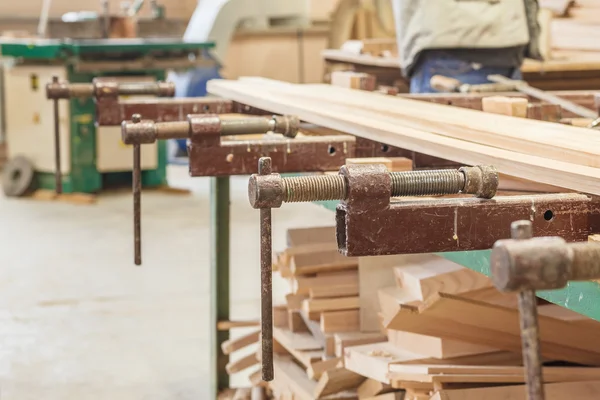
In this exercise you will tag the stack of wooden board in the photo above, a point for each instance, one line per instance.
(320, 317)
(576, 25)
(412, 327)
(545, 152)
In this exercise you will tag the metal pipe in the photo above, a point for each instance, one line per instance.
(266, 276)
(57, 171)
(137, 204)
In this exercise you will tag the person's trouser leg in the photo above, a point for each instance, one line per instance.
(441, 63)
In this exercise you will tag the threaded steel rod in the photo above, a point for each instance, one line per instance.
(410, 183)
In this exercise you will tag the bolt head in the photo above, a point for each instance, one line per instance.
(265, 191)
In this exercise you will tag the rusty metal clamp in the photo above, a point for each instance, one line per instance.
(523, 265)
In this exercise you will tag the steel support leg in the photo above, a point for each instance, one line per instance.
(219, 279)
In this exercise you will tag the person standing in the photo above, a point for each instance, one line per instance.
(464, 39)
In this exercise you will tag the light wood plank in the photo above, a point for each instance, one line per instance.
(241, 364)
(304, 284)
(554, 391)
(343, 340)
(375, 125)
(371, 388)
(340, 321)
(334, 291)
(337, 380)
(317, 369)
(373, 360)
(376, 273)
(322, 261)
(231, 345)
(435, 347)
(451, 317)
(340, 303)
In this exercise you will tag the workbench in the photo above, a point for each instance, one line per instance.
(95, 155)
(581, 73)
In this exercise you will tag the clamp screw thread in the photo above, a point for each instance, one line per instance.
(427, 183)
(409, 183)
(314, 188)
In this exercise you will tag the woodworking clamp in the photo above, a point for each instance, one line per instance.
(357, 185)
(203, 130)
(106, 93)
(524, 264)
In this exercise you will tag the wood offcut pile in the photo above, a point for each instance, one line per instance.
(410, 327)
(539, 151)
(576, 24)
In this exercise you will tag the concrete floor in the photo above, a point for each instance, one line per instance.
(79, 321)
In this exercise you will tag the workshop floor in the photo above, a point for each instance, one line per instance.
(79, 321)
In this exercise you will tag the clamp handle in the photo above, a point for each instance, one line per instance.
(266, 281)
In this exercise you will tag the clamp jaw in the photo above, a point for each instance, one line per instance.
(105, 92)
(196, 127)
(267, 190)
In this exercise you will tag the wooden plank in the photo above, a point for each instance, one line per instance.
(295, 380)
(296, 323)
(321, 292)
(297, 341)
(227, 325)
(554, 391)
(322, 261)
(399, 395)
(491, 295)
(340, 303)
(373, 360)
(340, 321)
(305, 357)
(317, 369)
(294, 302)
(435, 347)
(314, 328)
(376, 273)
(231, 345)
(543, 138)
(511, 106)
(241, 364)
(303, 284)
(330, 346)
(391, 298)
(343, 340)
(337, 380)
(455, 318)
(371, 388)
(353, 80)
(554, 373)
(393, 164)
(298, 237)
(436, 274)
(370, 121)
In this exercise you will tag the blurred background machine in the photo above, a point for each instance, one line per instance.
(128, 43)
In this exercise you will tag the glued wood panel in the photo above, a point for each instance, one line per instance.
(366, 119)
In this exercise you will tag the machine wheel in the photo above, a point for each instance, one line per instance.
(17, 177)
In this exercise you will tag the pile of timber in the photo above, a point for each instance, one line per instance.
(411, 327)
(540, 151)
(576, 24)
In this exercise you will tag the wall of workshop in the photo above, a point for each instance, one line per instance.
(179, 9)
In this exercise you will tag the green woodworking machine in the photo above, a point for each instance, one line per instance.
(93, 154)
